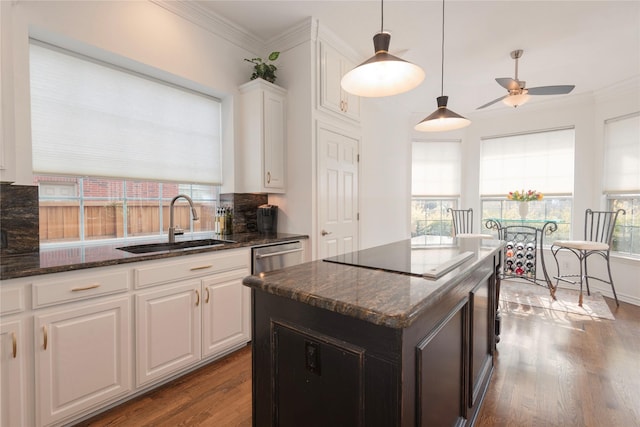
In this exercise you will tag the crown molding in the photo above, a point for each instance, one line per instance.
(214, 23)
(296, 35)
(628, 87)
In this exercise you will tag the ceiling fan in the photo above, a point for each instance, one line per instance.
(519, 93)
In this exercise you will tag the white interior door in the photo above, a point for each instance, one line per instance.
(337, 193)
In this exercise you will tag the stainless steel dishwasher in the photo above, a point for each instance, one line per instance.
(276, 256)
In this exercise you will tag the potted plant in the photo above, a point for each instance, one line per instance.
(263, 69)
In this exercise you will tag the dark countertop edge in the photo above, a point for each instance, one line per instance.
(241, 241)
(372, 316)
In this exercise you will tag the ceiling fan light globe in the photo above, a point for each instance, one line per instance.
(516, 100)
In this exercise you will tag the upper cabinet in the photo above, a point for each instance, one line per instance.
(334, 65)
(262, 139)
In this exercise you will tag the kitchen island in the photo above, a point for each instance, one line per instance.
(387, 336)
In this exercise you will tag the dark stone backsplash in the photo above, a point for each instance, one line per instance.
(19, 219)
(245, 208)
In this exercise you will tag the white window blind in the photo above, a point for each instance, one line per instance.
(91, 119)
(436, 169)
(622, 155)
(541, 161)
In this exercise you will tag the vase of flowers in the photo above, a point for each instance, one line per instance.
(524, 197)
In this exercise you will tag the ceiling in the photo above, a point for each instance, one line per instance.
(591, 44)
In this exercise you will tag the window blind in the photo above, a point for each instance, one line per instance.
(92, 119)
(541, 161)
(622, 155)
(436, 169)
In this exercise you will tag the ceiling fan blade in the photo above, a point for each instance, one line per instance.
(551, 90)
(508, 83)
(492, 102)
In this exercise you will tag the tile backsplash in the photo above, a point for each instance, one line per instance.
(245, 208)
(19, 219)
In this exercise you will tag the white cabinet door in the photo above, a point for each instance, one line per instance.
(262, 141)
(274, 141)
(12, 374)
(82, 358)
(168, 330)
(334, 65)
(226, 313)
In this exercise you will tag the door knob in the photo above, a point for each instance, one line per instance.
(324, 232)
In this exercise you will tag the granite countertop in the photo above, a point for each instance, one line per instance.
(379, 296)
(91, 255)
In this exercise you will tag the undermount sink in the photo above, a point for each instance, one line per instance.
(176, 246)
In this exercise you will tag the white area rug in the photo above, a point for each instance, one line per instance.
(530, 294)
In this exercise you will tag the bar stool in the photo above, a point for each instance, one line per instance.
(598, 235)
(462, 220)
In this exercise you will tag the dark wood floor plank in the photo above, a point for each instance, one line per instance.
(552, 369)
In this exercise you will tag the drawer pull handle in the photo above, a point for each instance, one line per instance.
(46, 336)
(15, 344)
(206, 301)
(86, 288)
(202, 267)
(197, 298)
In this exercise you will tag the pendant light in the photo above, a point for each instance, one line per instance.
(442, 119)
(383, 74)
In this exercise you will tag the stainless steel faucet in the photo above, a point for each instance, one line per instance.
(173, 231)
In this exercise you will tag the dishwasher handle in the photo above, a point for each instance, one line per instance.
(261, 256)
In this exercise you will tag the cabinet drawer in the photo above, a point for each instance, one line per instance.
(158, 272)
(11, 301)
(75, 287)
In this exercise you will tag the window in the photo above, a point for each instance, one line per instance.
(112, 147)
(540, 161)
(89, 118)
(622, 179)
(90, 209)
(435, 187)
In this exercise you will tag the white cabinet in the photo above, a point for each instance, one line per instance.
(168, 330)
(12, 374)
(263, 138)
(226, 312)
(75, 342)
(82, 357)
(334, 65)
(201, 315)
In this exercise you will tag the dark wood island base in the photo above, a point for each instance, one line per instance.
(337, 345)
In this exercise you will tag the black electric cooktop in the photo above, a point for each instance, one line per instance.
(401, 257)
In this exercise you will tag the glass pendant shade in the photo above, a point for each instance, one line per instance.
(383, 74)
(442, 119)
(517, 99)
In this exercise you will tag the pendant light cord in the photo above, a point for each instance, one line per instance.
(442, 55)
(381, 16)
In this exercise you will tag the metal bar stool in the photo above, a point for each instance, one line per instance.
(462, 220)
(598, 235)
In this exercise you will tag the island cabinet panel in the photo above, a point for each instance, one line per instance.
(356, 371)
(481, 345)
(441, 371)
(311, 368)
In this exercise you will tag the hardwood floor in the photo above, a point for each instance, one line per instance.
(552, 369)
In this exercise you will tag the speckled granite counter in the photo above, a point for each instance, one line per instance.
(90, 255)
(337, 344)
(373, 294)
